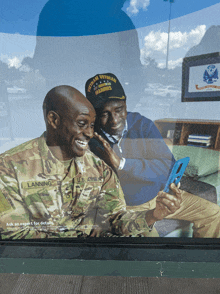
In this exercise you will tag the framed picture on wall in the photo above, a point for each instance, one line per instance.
(200, 78)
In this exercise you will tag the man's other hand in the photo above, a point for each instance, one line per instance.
(166, 204)
(108, 154)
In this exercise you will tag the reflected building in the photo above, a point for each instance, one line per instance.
(77, 39)
(6, 132)
(210, 43)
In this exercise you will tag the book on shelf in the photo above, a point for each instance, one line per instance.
(205, 145)
(198, 136)
(170, 134)
(199, 141)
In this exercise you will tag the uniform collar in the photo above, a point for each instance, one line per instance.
(53, 166)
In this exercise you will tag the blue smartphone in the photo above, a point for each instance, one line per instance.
(176, 173)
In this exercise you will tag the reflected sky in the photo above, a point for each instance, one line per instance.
(22, 16)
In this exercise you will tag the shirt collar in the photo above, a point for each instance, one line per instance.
(114, 138)
(53, 166)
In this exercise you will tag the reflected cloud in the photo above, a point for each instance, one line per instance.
(155, 43)
(14, 62)
(136, 5)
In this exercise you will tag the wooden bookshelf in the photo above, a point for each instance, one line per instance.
(184, 127)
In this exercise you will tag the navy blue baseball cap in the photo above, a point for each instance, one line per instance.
(104, 87)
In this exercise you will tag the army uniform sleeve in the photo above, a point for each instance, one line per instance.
(14, 217)
(112, 215)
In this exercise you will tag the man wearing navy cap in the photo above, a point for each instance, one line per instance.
(132, 145)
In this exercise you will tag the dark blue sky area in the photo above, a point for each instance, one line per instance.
(21, 16)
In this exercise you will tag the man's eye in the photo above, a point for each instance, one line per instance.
(118, 110)
(81, 123)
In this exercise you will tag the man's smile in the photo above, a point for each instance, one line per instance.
(81, 144)
(116, 126)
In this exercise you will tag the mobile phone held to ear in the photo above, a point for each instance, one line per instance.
(177, 173)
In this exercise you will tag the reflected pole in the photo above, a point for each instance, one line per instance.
(168, 39)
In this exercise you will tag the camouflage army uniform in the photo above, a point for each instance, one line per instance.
(41, 198)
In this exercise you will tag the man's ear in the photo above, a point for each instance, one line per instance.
(53, 119)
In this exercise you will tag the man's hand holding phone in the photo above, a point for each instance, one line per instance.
(169, 200)
(166, 204)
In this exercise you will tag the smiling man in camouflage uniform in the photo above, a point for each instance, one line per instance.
(53, 186)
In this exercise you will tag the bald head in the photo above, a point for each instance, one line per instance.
(63, 99)
(70, 120)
